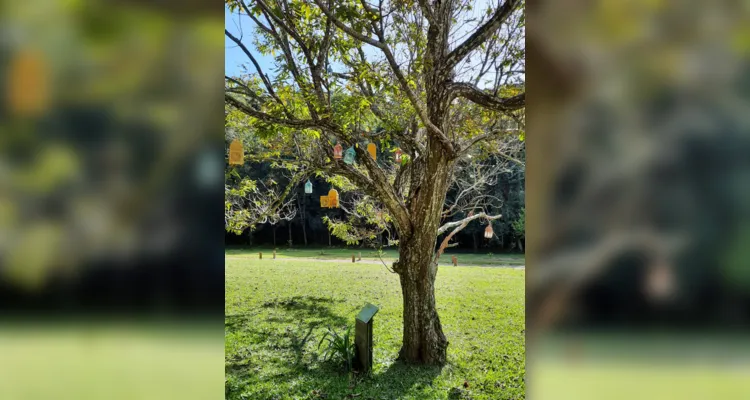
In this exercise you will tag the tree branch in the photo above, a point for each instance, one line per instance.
(351, 32)
(263, 76)
(293, 123)
(482, 34)
(486, 100)
(426, 10)
(381, 44)
(462, 223)
(459, 226)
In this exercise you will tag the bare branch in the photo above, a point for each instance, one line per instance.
(462, 223)
(263, 76)
(482, 34)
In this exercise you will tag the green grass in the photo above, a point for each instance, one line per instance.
(117, 361)
(670, 365)
(464, 258)
(267, 302)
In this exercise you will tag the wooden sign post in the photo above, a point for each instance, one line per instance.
(260, 255)
(360, 256)
(352, 257)
(455, 261)
(274, 254)
(363, 337)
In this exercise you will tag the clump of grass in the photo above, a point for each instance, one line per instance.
(339, 349)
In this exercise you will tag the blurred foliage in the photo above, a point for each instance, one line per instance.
(104, 107)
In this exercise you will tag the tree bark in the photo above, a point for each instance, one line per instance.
(423, 338)
(289, 225)
(304, 225)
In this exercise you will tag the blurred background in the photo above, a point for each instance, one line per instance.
(638, 225)
(111, 199)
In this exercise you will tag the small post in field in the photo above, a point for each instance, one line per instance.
(360, 256)
(352, 257)
(260, 255)
(455, 261)
(274, 254)
(363, 337)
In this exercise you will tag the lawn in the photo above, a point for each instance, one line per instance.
(269, 302)
(389, 255)
(82, 360)
(668, 365)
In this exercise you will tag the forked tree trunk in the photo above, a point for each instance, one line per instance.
(423, 338)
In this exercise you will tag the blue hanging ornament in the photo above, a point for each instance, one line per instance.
(308, 187)
(349, 156)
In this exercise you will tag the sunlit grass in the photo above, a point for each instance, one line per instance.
(481, 311)
(87, 361)
(640, 366)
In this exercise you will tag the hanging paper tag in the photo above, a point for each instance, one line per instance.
(236, 153)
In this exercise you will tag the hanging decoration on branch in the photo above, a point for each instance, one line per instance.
(308, 187)
(488, 231)
(236, 153)
(338, 151)
(397, 158)
(330, 201)
(373, 150)
(349, 156)
(333, 198)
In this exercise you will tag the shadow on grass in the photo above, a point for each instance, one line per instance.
(282, 327)
(269, 364)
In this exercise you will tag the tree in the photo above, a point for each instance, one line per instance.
(439, 80)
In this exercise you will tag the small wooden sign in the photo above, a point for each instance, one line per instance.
(373, 150)
(236, 153)
(363, 337)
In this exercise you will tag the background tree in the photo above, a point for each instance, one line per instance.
(442, 82)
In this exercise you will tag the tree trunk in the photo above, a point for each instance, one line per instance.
(303, 218)
(304, 223)
(289, 225)
(423, 338)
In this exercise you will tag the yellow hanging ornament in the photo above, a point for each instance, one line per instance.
(236, 153)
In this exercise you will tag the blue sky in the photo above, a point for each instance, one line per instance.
(233, 56)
